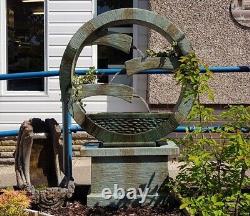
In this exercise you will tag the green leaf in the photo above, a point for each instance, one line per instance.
(184, 205)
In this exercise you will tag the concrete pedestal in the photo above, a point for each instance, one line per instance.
(128, 168)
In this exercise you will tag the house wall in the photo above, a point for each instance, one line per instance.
(216, 39)
(63, 19)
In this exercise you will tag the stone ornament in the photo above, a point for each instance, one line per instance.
(124, 127)
(54, 193)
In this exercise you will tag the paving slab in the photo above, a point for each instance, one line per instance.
(81, 173)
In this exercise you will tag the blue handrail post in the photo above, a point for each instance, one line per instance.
(67, 142)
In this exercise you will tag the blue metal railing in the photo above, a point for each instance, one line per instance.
(25, 75)
(39, 74)
(67, 119)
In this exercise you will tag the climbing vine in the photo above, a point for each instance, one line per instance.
(212, 176)
(78, 81)
(188, 74)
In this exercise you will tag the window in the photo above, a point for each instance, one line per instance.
(25, 42)
(109, 57)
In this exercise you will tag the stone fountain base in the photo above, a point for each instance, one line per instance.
(118, 175)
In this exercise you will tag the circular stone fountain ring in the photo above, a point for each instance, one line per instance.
(124, 127)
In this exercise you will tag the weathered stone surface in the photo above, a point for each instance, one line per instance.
(33, 169)
(81, 135)
(32, 212)
(7, 161)
(81, 170)
(105, 134)
(6, 154)
(129, 168)
(76, 154)
(76, 147)
(128, 144)
(7, 157)
(14, 138)
(170, 149)
(116, 90)
(7, 143)
(121, 42)
(23, 153)
(43, 214)
(77, 111)
(136, 65)
(127, 172)
(83, 142)
(7, 148)
(216, 39)
(52, 197)
(7, 175)
(36, 213)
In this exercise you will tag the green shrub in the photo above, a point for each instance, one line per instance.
(13, 203)
(212, 176)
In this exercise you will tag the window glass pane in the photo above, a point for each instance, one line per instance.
(107, 5)
(109, 57)
(25, 36)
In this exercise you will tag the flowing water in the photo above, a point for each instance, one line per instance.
(116, 74)
(137, 96)
(144, 102)
(139, 52)
(142, 54)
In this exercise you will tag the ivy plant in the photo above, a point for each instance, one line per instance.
(78, 81)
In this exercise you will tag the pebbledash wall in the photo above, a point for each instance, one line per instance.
(216, 39)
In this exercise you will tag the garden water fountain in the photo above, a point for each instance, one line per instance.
(128, 156)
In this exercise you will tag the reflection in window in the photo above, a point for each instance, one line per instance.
(25, 25)
(107, 5)
(240, 10)
(109, 57)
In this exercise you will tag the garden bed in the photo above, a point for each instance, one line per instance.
(78, 209)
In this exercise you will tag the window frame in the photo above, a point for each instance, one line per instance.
(4, 54)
